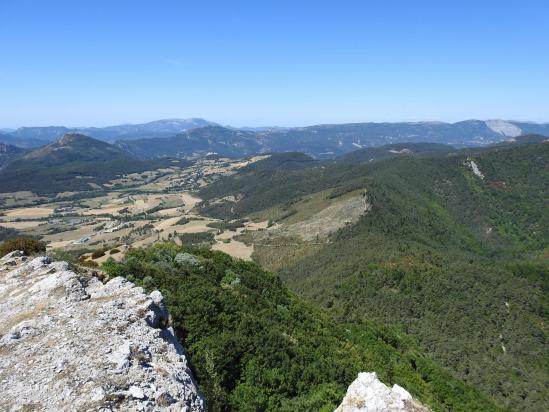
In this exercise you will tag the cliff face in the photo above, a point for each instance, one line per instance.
(368, 394)
(70, 342)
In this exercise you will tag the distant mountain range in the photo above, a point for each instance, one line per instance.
(188, 138)
(328, 141)
(39, 136)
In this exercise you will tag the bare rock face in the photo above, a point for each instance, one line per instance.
(368, 394)
(68, 342)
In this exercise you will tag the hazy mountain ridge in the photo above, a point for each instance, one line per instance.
(38, 136)
(20, 142)
(327, 141)
(320, 141)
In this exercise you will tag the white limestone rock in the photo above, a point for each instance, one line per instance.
(368, 394)
(471, 164)
(504, 128)
(69, 342)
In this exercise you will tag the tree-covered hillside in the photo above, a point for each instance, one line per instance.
(370, 154)
(453, 251)
(195, 142)
(73, 163)
(255, 346)
(8, 153)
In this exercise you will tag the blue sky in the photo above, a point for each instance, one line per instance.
(280, 62)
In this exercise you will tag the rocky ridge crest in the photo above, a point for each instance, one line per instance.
(70, 342)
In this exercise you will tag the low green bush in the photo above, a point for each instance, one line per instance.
(98, 253)
(28, 245)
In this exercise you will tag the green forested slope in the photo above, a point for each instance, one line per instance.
(369, 154)
(73, 163)
(255, 346)
(456, 260)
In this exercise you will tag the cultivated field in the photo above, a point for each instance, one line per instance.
(140, 209)
(132, 211)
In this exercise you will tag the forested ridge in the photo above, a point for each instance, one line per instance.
(256, 346)
(72, 163)
(455, 259)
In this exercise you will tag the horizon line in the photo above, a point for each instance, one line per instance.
(275, 126)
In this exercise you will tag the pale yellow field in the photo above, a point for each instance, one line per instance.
(251, 160)
(235, 249)
(18, 198)
(147, 192)
(59, 244)
(257, 225)
(20, 225)
(109, 209)
(169, 212)
(166, 223)
(227, 234)
(190, 200)
(70, 235)
(30, 212)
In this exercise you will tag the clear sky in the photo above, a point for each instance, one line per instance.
(95, 63)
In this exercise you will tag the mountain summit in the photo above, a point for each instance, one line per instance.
(75, 147)
(74, 162)
(157, 128)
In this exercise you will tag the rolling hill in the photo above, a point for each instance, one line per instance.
(74, 162)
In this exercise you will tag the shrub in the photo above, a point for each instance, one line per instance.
(8, 233)
(230, 279)
(89, 263)
(232, 226)
(186, 258)
(27, 245)
(183, 221)
(114, 251)
(200, 238)
(98, 253)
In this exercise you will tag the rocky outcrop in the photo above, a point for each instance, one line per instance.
(504, 128)
(368, 394)
(70, 342)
